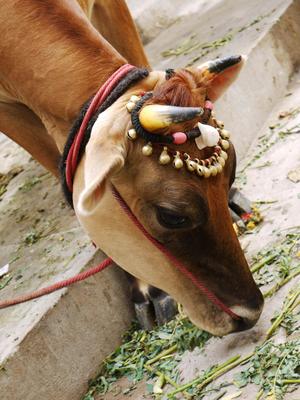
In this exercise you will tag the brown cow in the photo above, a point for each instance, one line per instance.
(52, 61)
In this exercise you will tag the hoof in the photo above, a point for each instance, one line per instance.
(165, 309)
(145, 315)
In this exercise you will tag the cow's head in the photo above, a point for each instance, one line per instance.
(187, 213)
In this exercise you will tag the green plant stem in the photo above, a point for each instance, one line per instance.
(226, 366)
(257, 266)
(280, 317)
(166, 378)
(259, 394)
(290, 381)
(162, 354)
(279, 285)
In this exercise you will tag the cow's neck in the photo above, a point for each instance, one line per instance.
(60, 63)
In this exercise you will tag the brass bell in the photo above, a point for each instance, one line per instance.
(131, 134)
(200, 169)
(206, 172)
(164, 158)
(190, 165)
(177, 163)
(221, 161)
(225, 134)
(225, 144)
(224, 155)
(213, 170)
(147, 150)
(219, 167)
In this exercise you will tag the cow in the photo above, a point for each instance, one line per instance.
(52, 61)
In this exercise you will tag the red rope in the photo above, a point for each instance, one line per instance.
(56, 286)
(100, 96)
(177, 264)
(71, 164)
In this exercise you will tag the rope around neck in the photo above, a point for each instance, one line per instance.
(110, 91)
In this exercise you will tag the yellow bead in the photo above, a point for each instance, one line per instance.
(131, 134)
(225, 144)
(223, 155)
(147, 149)
(130, 106)
(220, 124)
(164, 158)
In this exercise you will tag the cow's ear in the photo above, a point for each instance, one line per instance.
(104, 156)
(219, 74)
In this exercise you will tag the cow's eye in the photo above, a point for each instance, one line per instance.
(170, 219)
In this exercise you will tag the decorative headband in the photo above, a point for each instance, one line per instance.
(152, 118)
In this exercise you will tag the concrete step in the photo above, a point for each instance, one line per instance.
(49, 348)
(267, 32)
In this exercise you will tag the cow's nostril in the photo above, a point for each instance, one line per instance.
(244, 323)
(256, 302)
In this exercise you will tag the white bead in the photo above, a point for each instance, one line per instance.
(213, 170)
(134, 98)
(130, 106)
(209, 136)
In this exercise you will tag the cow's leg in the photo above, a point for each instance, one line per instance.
(116, 25)
(25, 128)
(151, 305)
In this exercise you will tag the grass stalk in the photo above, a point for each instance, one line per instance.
(287, 308)
(217, 371)
(162, 354)
(279, 285)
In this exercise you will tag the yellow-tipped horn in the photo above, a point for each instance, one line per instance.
(156, 116)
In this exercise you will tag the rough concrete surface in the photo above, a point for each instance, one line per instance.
(49, 348)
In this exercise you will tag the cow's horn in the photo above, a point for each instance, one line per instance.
(220, 64)
(156, 116)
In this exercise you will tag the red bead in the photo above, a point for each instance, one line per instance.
(179, 137)
(208, 104)
(142, 93)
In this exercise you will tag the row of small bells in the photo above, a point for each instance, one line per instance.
(216, 161)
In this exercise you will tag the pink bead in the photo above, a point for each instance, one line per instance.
(208, 104)
(179, 137)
